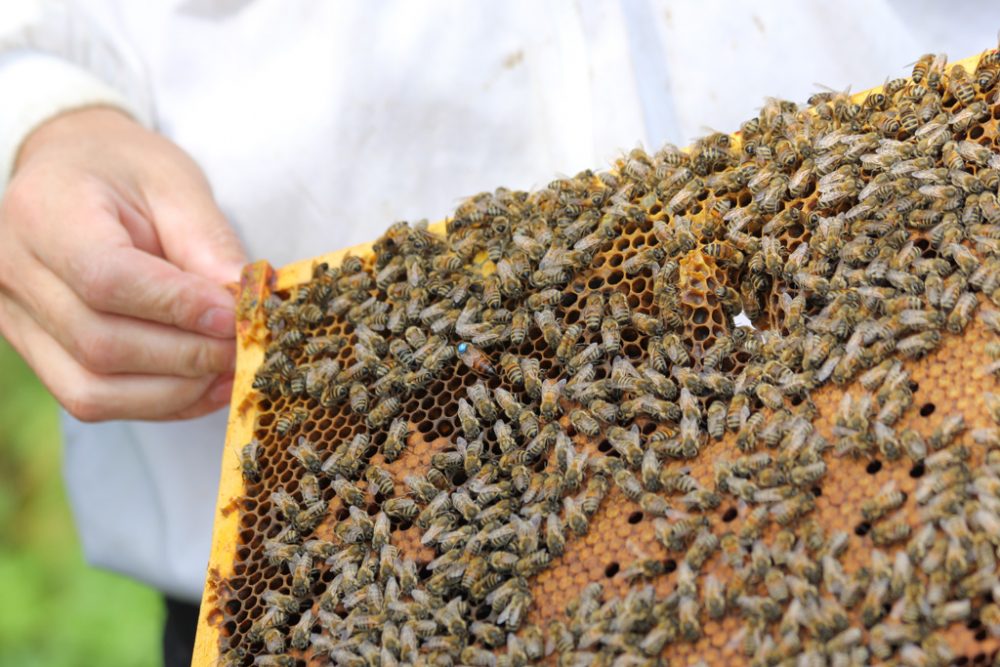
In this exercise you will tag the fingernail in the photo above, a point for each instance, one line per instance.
(234, 271)
(218, 322)
(222, 390)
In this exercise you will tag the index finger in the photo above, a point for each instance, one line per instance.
(96, 257)
(127, 281)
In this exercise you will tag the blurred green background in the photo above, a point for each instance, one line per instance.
(54, 609)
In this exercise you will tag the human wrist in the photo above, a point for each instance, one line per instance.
(87, 122)
(36, 87)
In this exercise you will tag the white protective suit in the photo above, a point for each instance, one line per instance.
(319, 123)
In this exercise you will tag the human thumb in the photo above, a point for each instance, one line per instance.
(196, 236)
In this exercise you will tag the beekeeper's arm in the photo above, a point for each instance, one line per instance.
(112, 249)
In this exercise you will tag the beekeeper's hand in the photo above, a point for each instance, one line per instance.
(113, 256)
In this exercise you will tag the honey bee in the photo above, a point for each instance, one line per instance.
(738, 411)
(987, 437)
(232, 658)
(991, 318)
(654, 505)
(963, 120)
(250, 461)
(380, 480)
(532, 374)
(289, 420)
(918, 344)
(619, 309)
(637, 166)
(922, 67)
(961, 313)
(301, 567)
(475, 359)
(400, 508)
(438, 354)
(576, 520)
(584, 423)
(468, 420)
(714, 596)
(992, 402)
(527, 423)
(807, 473)
(611, 338)
(395, 441)
(274, 660)
(587, 355)
(479, 395)
(568, 342)
(705, 544)
(532, 563)
(686, 195)
(383, 411)
(890, 533)
(359, 398)
(320, 345)
(519, 323)
(647, 324)
(540, 300)
(285, 503)
(654, 382)
(960, 85)
(675, 350)
(769, 395)
(949, 428)
(629, 485)
(647, 258)
(510, 366)
(278, 553)
(675, 536)
(990, 617)
(888, 499)
(593, 311)
(299, 635)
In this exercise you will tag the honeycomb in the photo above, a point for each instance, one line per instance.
(733, 404)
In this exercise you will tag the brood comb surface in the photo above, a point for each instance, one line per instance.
(542, 434)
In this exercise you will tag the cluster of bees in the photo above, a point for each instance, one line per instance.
(827, 245)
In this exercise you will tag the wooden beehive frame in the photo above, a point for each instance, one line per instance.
(258, 281)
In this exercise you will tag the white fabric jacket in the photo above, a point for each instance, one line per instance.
(319, 123)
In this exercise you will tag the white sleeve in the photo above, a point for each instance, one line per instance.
(55, 57)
